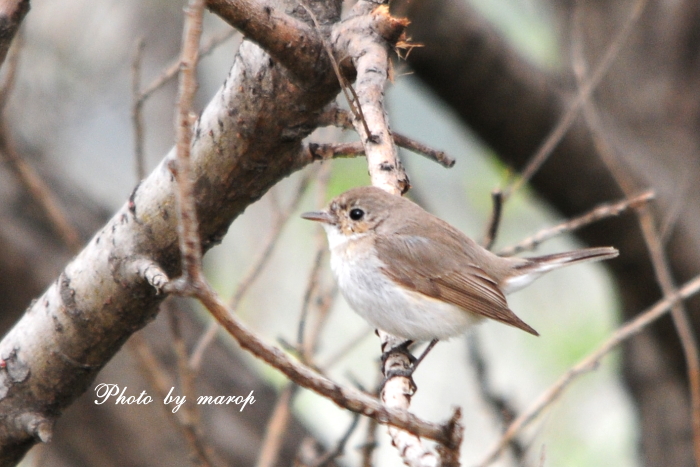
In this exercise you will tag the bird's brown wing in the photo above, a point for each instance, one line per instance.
(447, 274)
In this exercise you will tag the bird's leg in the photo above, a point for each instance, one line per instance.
(402, 349)
(425, 352)
(414, 362)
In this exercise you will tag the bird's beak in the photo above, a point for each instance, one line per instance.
(319, 216)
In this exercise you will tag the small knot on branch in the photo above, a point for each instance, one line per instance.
(454, 431)
(388, 27)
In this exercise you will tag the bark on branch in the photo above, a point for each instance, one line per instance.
(246, 139)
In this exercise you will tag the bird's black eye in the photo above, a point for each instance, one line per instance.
(356, 214)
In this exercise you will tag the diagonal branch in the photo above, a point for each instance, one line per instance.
(54, 352)
(347, 398)
(590, 363)
(288, 40)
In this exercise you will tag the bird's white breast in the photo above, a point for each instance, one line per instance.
(385, 304)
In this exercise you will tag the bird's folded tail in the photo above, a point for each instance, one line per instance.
(533, 268)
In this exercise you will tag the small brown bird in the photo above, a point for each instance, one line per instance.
(415, 276)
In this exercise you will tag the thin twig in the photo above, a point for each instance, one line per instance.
(254, 272)
(153, 372)
(136, 107)
(306, 346)
(347, 398)
(339, 449)
(345, 86)
(188, 415)
(12, 64)
(172, 70)
(276, 427)
(495, 221)
(590, 363)
(501, 407)
(343, 351)
(190, 245)
(39, 191)
(25, 173)
(342, 119)
(654, 243)
(598, 213)
(584, 92)
(311, 289)
(419, 148)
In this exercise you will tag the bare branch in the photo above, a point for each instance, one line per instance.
(173, 69)
(583, 95)
(39, 190)
(254, 272)
(288, 40)
(495, 221)
(344, 397)
(654, 243)
(136, 107)
(238, 130)
(590, 363)
(276, 427)
(598, 213)
(188, 227)
(370, 54)
(341, 118)
(412, 145)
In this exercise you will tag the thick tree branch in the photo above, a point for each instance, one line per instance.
(247, 139)
(288, 40)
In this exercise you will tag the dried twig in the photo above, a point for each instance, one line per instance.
(188, 415)
(419, 148)
(501, 407)
(136, 107)
(598, 213)
(347, 398)
(590, 363)
(495, 221)
(305, 348)
(276, 427)
(171, 71)
(254, 271)
(584, 92)
(153, 372)
(25, 173)
(341, 118)
(190, 245)
(293, 43)
(654, 243)
(339, 448)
